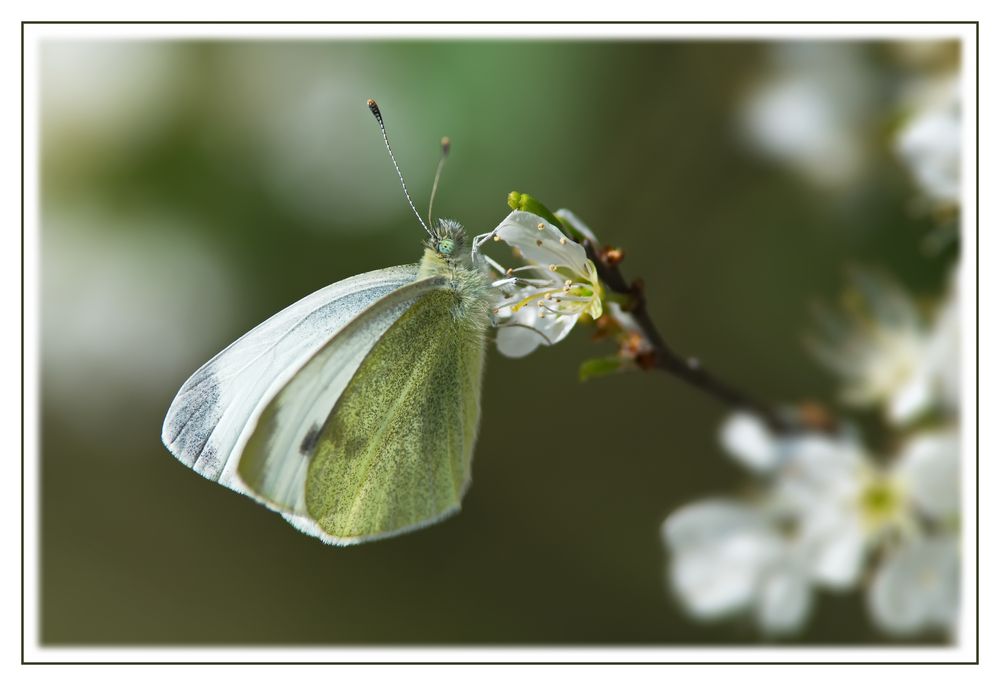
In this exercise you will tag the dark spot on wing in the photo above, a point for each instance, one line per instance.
(309, 442)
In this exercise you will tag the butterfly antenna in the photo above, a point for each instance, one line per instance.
(373, 106)
(445, 148)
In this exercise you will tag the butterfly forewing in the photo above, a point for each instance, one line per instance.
(204, 424)
(276, 456)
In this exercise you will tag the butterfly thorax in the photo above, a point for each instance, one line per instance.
(443, 257)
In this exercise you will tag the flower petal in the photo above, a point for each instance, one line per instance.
(545, 246)
(784, 600)
(912, 398)
(917, 587)
(747, 438)
(929, 467)
(517, 341)
(526, 330)
(719, 549)
(836, 549)
(573, 220)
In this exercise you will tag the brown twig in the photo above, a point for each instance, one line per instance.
(664, 358)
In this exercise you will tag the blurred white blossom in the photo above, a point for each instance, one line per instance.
(886, 351)
(824, 512)
(930, 141)
(127, 301)
(942, 361)
(812, 110)
(544, 297)
(728, 558)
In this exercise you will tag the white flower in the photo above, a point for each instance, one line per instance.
(816, 490)
(727, 558)
(545, 297)
(825, 509)
(930, 143)
(879, 344)
(812, 111)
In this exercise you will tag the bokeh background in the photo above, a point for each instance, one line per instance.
(192, 189)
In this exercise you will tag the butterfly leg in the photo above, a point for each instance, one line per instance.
(477, 243)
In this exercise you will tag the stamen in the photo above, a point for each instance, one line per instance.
(518, 281)
(496, 238)
(541, 227)
(562, 241)
(531, 267)
(493, 263)
(553, 310)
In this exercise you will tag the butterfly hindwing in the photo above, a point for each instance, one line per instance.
(210, 413)
(396, 452)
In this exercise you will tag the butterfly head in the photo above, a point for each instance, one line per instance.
(447, 238)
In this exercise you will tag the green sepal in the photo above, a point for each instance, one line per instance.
(600, 366)
(527, 203)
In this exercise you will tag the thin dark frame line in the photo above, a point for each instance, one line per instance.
(22, 344)
(356, 22)
(511, 23)
(978, 489)
(706, 663)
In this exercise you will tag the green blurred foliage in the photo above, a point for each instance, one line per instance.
(264, 158)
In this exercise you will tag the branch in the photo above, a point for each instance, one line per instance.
(666, 359)
(659, 355)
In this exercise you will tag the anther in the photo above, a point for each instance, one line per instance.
(541, 227)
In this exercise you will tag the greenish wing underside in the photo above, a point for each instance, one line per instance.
(396, 451)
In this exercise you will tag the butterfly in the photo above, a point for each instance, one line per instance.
(353, 412)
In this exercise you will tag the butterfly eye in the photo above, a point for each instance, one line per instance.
(446, 246)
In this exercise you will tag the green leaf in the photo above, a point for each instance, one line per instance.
(600, 366)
